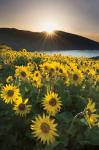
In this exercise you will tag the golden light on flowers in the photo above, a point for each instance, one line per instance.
(69, 81)
(44, 129)
(21, 107)
(90, 113)
(22, 72)
(76, 77)
(51, 103)
(9, 93)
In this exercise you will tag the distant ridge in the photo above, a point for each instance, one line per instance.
(18, 39)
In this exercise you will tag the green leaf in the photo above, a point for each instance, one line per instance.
(92, 136)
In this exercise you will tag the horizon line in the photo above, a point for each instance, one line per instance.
(53, 31)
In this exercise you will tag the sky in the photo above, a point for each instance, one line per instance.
(74, 16)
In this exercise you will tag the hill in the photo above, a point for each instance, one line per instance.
(18, 39)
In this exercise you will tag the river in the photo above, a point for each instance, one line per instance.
(86, 53)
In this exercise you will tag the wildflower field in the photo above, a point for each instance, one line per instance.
(48, 102)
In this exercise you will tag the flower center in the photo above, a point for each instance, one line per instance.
(45, 67)
(52, 102)
(51, 70)
(45, 127)
(60, 70)
(22, 107)
(89, 112)
(10, 93)
(75, 77)
(23, 74)
(57, 68)
(37, 74)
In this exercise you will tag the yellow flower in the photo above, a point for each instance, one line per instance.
(22, 72)
(89, 113)
(36, 82)
(44, 129)
(61, 69)
(9, 93)
(21, 108)
(76, 77)
(45, 67)
(92, 119)
(31, 66)
(90, 108)
(51, 103)
(9, 79)
(37, 74)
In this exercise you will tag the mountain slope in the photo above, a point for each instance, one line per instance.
(60, 40)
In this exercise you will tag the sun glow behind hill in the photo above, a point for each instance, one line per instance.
(59, 40)
(49, 28)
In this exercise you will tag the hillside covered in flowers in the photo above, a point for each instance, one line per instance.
(48, 102)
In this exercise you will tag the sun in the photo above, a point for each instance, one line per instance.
(48, 28)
